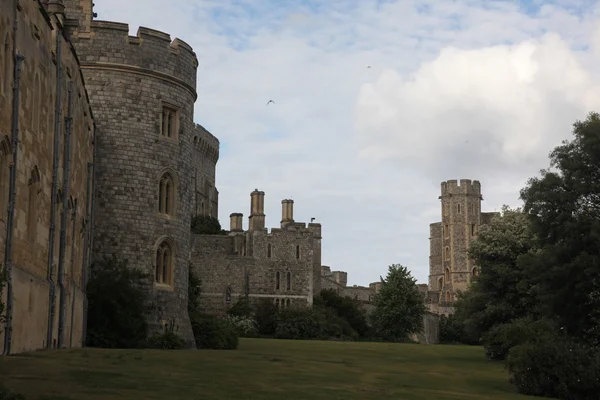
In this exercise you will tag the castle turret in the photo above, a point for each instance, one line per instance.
(287, 212)
(257, 208)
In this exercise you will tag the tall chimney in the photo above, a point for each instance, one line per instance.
(287, 212)
(257, 208)
(235, 222)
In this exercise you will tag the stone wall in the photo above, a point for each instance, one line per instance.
(431, 330)
(34, 271)
(206, 155)
(142, 91)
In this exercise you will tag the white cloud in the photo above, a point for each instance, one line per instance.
(470, 89)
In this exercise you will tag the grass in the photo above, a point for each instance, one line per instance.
(262, 369)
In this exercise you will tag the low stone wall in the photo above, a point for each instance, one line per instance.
(431, 330)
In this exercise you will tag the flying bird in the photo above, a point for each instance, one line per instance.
(270, 101)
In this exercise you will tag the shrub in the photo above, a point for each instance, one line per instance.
(299, 323)
(241, 308)
(553, 365)
(211, 332)
(265, 314)
(245, 326)
(452, 331)
(117, 305)
(167, 341)
(6, 394)
(346, 308)
(501, 338)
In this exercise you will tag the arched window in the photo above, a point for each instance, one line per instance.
(447, 275)
(297, 252)
(33, 206)
(277, 303)
(277, 280)
(475, 272)
(269, 250)
(166, 194)
(163, 270)
(289, 281)
(446, 253)
(448, 297)
(228, 295)
(5, 159)
(458, 208)
(440, 283)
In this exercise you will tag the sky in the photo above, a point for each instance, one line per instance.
(456, 89)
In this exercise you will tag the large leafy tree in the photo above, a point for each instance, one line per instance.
(564, 206)
(500, 293)
(399, 306)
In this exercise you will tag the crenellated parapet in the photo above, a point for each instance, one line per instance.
(462, 187)
(206, 143)
(108, 45)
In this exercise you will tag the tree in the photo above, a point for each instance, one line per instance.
(500, 293)
(399, 306)
(206, 225)
(345, 307)
(117, 305)
(564, 208)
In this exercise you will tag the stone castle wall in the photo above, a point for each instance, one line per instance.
(206, 152)
(142, 91)
(34, 272)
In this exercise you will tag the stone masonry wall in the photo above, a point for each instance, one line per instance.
(206, 153)
(36, 41)
(130, 80)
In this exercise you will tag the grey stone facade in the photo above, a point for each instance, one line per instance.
(155, 166)
(450, 269)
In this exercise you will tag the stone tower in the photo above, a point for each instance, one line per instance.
(142, 89)
(450, 267)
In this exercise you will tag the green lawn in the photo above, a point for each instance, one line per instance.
(262, 369)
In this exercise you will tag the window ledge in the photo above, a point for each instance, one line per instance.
(163, 286)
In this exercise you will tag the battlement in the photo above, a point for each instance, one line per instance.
(108, 45)
(206, 143)
(462, 187)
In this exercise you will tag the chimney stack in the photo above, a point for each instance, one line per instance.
(257, 208)
(287, 212)
(235, 222)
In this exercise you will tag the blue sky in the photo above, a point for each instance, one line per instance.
(457, 89)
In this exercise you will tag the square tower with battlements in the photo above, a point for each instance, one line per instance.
(450, 269)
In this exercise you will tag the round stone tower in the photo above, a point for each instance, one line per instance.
(142, 92)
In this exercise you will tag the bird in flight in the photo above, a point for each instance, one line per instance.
(270, 101)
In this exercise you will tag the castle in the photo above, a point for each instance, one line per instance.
(100, 155)
(450, 269)
(283, 264)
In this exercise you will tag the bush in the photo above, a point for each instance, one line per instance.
(265, 314)
(245, 326)
(167, 341)
(6, 394)
(241, 308)
(554, 365)
(452, 331)
(299, 323)
(346, 308)
(211, 332)
(117, 305)
(501, 338)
